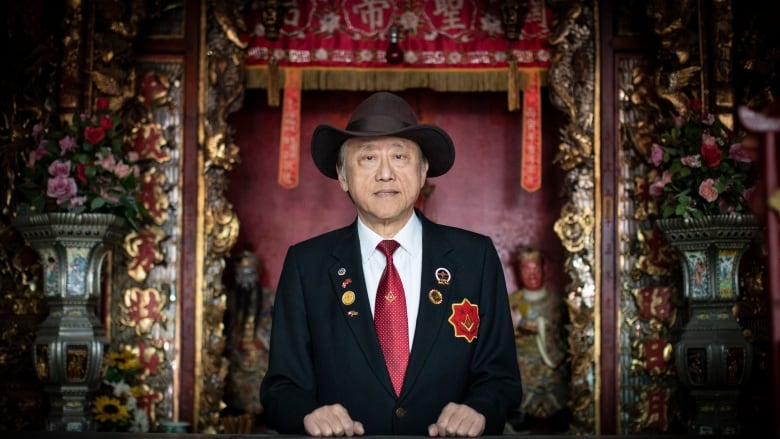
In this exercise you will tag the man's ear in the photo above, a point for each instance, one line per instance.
(342, 179)
(424, 172)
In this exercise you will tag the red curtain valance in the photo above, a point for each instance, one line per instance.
(456, 45)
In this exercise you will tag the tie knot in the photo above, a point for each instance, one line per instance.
(388, 247)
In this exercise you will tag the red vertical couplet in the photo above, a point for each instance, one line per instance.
(390, 318)
(290, 141)
(531, 167)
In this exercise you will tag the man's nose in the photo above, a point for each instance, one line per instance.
(385, 171)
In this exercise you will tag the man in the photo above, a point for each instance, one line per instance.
(452, 369)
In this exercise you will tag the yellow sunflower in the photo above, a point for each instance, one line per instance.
(108, 409)
(123, 360)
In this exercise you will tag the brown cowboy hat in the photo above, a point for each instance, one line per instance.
(383, 114)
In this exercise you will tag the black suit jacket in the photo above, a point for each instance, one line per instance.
(324, 350)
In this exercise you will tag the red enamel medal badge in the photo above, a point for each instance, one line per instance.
(465, 320)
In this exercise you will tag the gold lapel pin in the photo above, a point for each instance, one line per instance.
(435, 297)
(348, 298)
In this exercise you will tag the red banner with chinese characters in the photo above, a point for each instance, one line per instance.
(531, 166)
(433, 34)
(290, 144)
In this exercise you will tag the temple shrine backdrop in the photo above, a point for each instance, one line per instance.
(553, 107)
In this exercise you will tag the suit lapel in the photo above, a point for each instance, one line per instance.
(431, 315)
(349, 287)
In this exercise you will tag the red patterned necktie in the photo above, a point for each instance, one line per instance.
(390, 318)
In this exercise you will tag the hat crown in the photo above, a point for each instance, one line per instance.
(382, 112)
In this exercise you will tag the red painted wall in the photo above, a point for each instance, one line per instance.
(481, 192)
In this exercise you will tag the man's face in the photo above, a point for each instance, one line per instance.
(383, 175)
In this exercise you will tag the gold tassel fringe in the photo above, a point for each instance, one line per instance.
(456, 80)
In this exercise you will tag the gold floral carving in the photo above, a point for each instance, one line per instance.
(143, 248)
(222, 90)
(574, 228)
(142, 309)
(574, 50)
(572, 79)
(678, 70)
(154, 197)
(221, 153)
(149, 141)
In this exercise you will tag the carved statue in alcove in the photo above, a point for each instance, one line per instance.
(538, 316)
(247, 328)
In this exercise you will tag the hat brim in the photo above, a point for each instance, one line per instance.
(435, 143)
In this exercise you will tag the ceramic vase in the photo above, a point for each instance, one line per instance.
(712, 356)
(75, 252)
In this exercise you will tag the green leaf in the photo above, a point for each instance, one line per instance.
(97, 203)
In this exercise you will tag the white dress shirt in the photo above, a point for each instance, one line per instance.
(407, 260)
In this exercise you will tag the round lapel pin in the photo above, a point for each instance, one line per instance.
(443, 276)
(348, 298)
(435, 297)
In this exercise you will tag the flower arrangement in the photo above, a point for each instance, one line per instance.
(82, 167)
(118, 403)
(700, 168)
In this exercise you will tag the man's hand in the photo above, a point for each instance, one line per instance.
(458, 420)
(331, 420)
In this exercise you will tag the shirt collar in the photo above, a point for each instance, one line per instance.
(410, 238)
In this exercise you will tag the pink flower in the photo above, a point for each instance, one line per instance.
(122, 170)
(708, 191)
(76, 201)
(59, 169)
(691, 161)
(61, 188)
(37, 129)
(657, 154)
(67, 144)
(108, 163)
(103, 192)
(747, 193)
(738, 154)
(678, 121)
(657, 188)
(37, 154)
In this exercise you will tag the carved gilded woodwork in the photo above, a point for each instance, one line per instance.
(154, 253)
(222, 92)
(646, 290)
(573, 91)
(154, 87)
